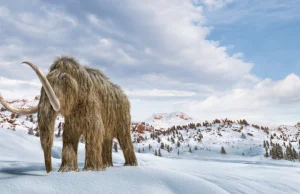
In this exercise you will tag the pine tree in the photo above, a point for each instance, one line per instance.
(264, 144)
(273, 151)
(178, 144)
(159, 153)
(178, 153)
(149, 147)
(168, 148)
(158, 139)
(295, 154)
(31, 119)
(223, 150)
(288, 153)
(30, 131)
(139, 150)
(12, 116)
(172, 140)
(162, 146)
(190, 150)
(196, 148)
(116, 146)
(267, 142)
(267, 154)
(280, 155)
(155, 153)
(243, 136)
(153, 136)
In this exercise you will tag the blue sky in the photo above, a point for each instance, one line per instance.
(207, 58)
(267, 32)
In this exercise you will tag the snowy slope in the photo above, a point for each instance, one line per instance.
(185, 169)
(22, 171)
(239, 140)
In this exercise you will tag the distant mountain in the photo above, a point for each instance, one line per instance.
(165, 120)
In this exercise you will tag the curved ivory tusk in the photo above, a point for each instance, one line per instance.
(20, 111)
(47, 87)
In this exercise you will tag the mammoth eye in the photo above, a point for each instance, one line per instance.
(62, 76)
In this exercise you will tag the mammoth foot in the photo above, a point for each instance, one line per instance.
(108, 165)
(93, 169)
(130, 164)
(67, 169)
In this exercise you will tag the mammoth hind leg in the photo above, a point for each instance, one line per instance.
(128, 151)
(69, 153)
(107, 152)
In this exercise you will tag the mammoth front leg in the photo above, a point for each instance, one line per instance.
(46, 120)
(69, 151)
(46, 142)
(93, 149)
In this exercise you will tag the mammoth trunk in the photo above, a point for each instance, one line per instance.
(46, 122)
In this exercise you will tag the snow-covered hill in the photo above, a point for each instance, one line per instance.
(237, 137)
(239, 140)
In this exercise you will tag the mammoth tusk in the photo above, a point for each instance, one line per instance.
(20, 111)
(47, 87)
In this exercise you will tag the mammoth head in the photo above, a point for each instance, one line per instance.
(60, 94)
(65, 87)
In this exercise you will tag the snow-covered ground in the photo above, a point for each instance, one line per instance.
(22, 171)
(184, 169)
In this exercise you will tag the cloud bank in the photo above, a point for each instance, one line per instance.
(158, 51)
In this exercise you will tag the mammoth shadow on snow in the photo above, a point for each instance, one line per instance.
(16, 171)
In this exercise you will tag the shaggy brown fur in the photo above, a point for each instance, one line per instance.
(94, 107)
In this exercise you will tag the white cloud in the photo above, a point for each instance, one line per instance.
(159, 93)
(154, 49)
(213, 4)
(19, 89)
(38, 25)
(267, 99)
(105, 25)
(263, 94)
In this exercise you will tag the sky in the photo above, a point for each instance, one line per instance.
(207, 58)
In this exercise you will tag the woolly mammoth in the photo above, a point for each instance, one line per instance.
(92, 106)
